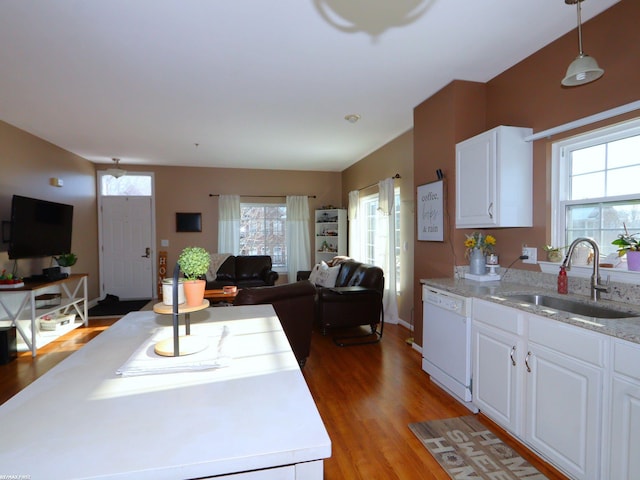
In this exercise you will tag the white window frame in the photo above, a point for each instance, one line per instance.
(277, 268)
(560, 181)
(363, 220)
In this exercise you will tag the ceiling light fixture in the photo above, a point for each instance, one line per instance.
(583, 69)
(352, 118)
(116, 171)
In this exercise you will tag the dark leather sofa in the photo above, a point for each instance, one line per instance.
(294, 304)
(356, 299)
(244, 271)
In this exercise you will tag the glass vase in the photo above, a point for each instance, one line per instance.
(477, 262)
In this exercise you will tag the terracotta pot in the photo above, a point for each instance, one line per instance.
(194, 292)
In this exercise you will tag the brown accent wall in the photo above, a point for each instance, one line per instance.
(528, 94)
(394, 157)
(27, 163)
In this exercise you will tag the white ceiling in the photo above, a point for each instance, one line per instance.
(254, 83)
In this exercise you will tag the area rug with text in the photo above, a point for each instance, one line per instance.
(467, 449)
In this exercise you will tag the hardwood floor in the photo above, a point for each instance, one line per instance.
(19, 373)
(366, 395)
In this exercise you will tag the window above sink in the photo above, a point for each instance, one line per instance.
(619, 275)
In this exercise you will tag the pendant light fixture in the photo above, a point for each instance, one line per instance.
(116, 172)
(583, 69)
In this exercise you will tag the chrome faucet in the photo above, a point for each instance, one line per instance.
(596, 286)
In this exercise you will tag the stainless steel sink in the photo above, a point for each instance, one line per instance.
(571, 306)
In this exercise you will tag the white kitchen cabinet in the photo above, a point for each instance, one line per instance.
(494, 179)
(498, 353)
(330, 233)
(564, 401)
(623, 449)
(543, 381)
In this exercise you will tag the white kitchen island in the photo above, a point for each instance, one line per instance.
(253, 418)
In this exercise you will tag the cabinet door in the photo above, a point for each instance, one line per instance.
(625, 430)
(497, 373)
(476, 181)
(564, 410)
(624, 433)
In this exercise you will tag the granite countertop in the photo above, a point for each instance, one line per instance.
(498, 291)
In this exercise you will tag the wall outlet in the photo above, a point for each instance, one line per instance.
(532, 253)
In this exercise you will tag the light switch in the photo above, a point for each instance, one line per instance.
(164, 243)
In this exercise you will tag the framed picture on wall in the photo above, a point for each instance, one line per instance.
(188, 222)
(430, 212)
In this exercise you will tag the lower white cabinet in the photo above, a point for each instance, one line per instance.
(564, 403)
(542, 380)
(623, 462)
(498, 353)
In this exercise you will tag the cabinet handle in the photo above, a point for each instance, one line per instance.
(511, 353)
(526, 362)
(490, 210)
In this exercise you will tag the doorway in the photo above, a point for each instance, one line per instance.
(126, 214)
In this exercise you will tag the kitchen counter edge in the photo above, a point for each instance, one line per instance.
(497, 292)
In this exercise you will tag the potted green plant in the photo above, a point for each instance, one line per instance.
(554, 254)
(65, 261)
(194, 263)
(629, 245)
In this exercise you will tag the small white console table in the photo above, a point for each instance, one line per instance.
(253, 419)
(20, 304)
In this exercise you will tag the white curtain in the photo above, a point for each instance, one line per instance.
(297, 234)
(354, 230)
(387, 251)
(229, 224)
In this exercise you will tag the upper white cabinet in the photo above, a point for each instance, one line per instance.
(494, 179)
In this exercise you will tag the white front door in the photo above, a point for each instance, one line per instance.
(127, 249)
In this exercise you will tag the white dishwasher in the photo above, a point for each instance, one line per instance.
(446, 342)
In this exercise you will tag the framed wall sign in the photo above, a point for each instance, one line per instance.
(430, 212)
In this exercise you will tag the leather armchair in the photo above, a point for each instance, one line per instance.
(294, 304)
(355, 300)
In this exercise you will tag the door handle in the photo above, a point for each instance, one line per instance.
(147, 252)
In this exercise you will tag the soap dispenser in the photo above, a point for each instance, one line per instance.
(563, 284)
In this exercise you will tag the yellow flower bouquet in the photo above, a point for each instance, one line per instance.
(484, 243)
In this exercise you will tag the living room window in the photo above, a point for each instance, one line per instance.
(262, 232)
(595, 187)
(369, 228)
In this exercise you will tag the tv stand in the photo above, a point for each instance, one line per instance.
(20, 306)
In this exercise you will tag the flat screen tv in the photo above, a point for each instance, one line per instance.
(39, 228)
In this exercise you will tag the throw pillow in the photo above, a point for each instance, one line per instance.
(217, 259)
(328, 276)
(315, 272)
